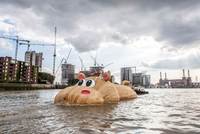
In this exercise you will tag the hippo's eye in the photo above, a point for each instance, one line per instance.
(90, 83)
(81, 83)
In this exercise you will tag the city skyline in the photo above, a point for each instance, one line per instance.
(155, 37)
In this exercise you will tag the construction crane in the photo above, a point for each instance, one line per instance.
(34, 44)
(54, 54)
(44, 44)
(94, 59)
(63, 59)
(108, 64)
(28, 44)
(82, 65)
(15, 38)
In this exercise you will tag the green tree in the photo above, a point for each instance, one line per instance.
(45, 78)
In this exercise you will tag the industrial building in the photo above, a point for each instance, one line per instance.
(136, 79)
(68, 73)
(12, 70)
(184, 82)
(34, 59)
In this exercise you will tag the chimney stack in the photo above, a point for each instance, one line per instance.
(161, 75)
(188, 73)
(183, 73)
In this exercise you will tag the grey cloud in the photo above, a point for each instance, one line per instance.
(180, 33)
(192, 61)
(85, 41)
(121, 38)
(164, 20)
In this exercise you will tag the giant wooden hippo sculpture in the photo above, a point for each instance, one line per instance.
(94, 91)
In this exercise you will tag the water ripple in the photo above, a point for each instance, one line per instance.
(161, 111)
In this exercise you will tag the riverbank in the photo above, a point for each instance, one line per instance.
(23, 86)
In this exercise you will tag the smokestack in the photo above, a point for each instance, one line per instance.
(165, 75)
(161, 75)
(188, 73)
(183, 72)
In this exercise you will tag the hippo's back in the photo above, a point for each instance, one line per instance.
(125, 92)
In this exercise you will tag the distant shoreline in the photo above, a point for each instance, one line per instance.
(23, 86)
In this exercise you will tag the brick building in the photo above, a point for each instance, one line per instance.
(17, 71)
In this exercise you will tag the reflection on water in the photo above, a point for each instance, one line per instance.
(161, 111)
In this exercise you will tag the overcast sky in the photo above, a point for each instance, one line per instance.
(154, 35)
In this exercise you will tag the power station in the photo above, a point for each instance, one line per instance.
(184, 82)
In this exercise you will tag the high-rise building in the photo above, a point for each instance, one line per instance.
(38, 62)
(29, 57)
(141, 79)
(126, 74)
(68, 73)
(146, 80)
(136, 79)
(34, 59)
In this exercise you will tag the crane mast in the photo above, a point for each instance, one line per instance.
(15, 38)
(54, 55)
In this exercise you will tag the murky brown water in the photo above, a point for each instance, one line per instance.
(161, 111)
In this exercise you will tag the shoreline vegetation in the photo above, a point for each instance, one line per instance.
(23, 86)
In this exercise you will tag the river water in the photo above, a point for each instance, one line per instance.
(160, 111)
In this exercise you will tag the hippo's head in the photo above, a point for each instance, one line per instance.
(90, 91)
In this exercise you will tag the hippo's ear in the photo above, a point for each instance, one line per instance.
(106, 76)
(81, 76)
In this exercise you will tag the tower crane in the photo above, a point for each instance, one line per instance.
(82, 65)
(35, 44)
(108, 64)
(63, 59)
(94, 59)
(17, 39)
(53, 45)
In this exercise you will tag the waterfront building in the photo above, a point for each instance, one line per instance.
(34, 74)
(68, 73)
(126, 74)
(12, 70)
(8, 69)
(135, 79)
(24, 71)
(141, 79)
(146, 81)
(34, 59)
